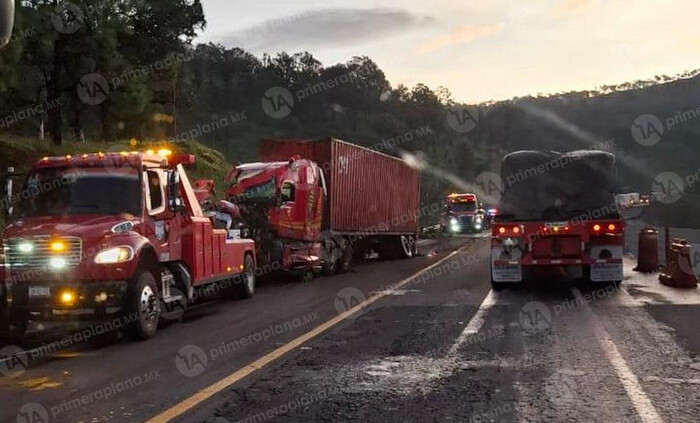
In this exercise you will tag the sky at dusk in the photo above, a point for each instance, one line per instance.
(479, 50)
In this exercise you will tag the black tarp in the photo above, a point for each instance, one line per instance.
(553, 186)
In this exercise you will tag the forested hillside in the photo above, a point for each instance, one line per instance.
(131, 69)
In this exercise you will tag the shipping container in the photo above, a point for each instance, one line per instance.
(368, 191)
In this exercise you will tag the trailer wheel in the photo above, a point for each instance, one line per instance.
(144, 304)
(244, 284)
(406, 246)
(497, 286)
(414, 243)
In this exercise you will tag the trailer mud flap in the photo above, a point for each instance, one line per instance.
(607, 263)
(505, 270)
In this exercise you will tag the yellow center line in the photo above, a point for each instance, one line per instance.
(211, 390)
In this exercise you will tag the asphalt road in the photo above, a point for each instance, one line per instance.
(440, 346)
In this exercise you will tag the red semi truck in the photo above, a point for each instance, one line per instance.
(123, 235)
(557, 217)
(313, 205)
(463, 213)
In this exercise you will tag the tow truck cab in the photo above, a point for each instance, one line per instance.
(117, 235)
(463, 214)
(562, 221)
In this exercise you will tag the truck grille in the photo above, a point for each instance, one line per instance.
(40, 253)
(465, 220)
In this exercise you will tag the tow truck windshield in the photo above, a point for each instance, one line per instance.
(74, 191)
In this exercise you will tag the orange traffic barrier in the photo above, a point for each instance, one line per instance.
(648, 251)
(679, 271)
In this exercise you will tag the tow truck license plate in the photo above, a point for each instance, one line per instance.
(39, 291)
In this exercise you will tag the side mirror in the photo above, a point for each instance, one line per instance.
(7, 17)
(174, 200)
(10, 188)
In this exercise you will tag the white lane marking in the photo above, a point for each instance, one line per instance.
(476, 322)
(642, 404)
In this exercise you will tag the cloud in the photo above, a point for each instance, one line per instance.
(325, 28)
(462, 35)
(573, 7)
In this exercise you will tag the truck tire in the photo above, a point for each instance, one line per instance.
(330, 264)
(496, 286)
(244, 284)
(406, 246)
(143, 304)
(344, 263)
(12, 330)
(586, 280)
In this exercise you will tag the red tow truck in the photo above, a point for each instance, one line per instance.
(118, 235)
(558, 218)
(313, 205)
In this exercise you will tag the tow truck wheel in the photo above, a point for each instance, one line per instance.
(12, 330)
(143, 302)
(246, 286)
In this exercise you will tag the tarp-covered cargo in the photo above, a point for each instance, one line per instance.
(553, 186)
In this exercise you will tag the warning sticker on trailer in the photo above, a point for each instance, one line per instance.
(506, 272)
(602, 272)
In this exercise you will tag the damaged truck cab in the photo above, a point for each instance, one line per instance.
(119, 236)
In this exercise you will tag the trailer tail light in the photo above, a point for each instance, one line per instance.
(507, 230)
(606, 228)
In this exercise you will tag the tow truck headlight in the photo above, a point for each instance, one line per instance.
(114, 255)
(26, 247)
(454, 222)
(58, 263)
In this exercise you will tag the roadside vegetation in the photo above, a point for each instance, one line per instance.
(105, 72)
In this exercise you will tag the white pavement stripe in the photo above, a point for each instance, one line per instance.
(642, 404)
(476, 322)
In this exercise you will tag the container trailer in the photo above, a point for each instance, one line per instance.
(314, 205)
